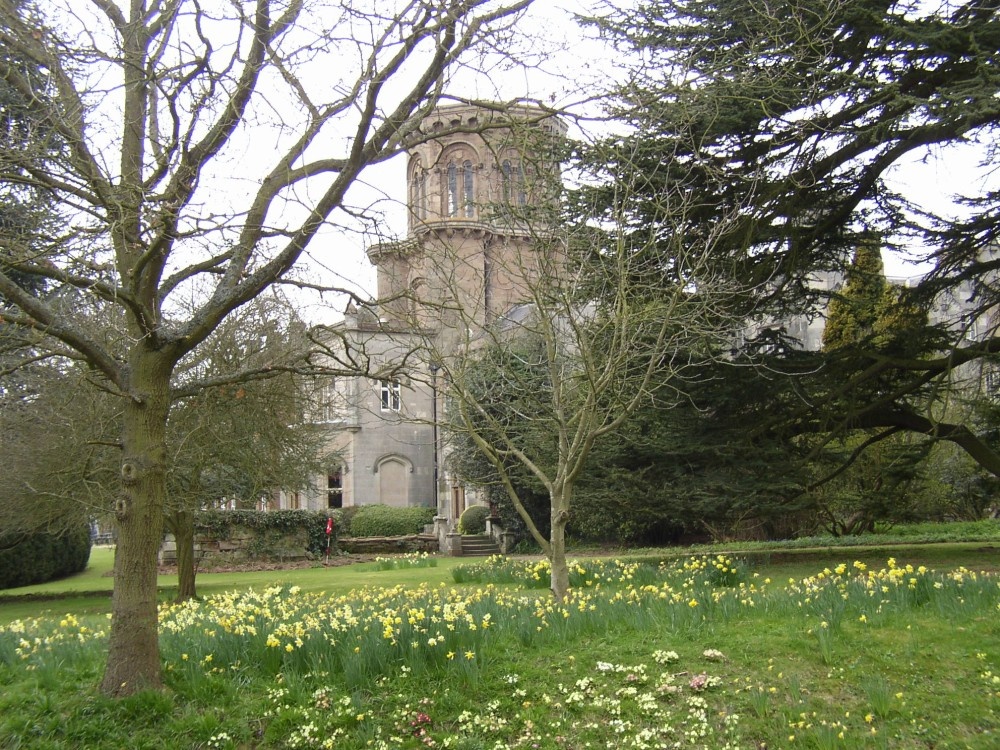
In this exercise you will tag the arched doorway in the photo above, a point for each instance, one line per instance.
(394, 481)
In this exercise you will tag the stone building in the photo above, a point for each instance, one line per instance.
(380, 430)
(477, 191)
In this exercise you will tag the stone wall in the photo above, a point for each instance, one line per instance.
(371, 545)
(242, 545)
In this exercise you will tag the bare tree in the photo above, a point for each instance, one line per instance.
(204, 146)
(239, 442)
(546, 336)
(231, 442)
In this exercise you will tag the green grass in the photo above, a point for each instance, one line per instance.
(89, 592)
(920, 666)
(94, 578)
(694, 653)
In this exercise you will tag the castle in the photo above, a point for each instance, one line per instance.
(468, 259)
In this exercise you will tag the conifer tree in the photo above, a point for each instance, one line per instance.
(791, 117)
(853, 312)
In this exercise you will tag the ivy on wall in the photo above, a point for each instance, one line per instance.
(269, 526)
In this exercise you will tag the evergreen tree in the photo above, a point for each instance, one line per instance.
(785, 120)
(867, 314)
(853, 313)
(792, 114)
(27, 212)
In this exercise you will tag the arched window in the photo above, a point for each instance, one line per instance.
(469, 188)
(418, 190)
(422, 196)
(394, 480)
(452, 190)
(335, 488)
(415, 195)
(522, 196)
(513, 184)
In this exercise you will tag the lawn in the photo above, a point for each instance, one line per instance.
(695, 652)
(90, 591)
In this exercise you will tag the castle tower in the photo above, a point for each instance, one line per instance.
(480, 184)
(477, 198)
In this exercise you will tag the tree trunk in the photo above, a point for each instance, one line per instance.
(557, 541)
(182, 524)
(133, 651)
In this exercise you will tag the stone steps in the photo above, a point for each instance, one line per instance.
(479, 545)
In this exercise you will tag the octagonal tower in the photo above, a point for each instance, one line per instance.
(481, 198)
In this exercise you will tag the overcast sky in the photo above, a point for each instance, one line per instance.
(564, 64)
(573, 62)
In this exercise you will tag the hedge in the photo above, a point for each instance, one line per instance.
(473, 520)
(26, 559)
(383, 520)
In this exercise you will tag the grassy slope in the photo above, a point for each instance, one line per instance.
(89, 591)
(916, 677)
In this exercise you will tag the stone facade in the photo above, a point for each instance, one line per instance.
(956, 309)
(468, 259)
(477, 195)
(380, 429)
(478, 189)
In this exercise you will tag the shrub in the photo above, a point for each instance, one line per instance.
(42, 556)
(383, 520)
(473, 520)
(346, 517)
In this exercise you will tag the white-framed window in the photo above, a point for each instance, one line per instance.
(992, 381)
(327, 407)
(390, 395)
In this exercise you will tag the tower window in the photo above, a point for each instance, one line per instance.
(513, 184)
(422, 196)
(452, 189)
(415, 196)
(461, 192)
(418, 192)
(468, 177)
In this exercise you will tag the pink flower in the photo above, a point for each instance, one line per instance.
(699, 682)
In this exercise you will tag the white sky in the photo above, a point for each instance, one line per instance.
(933, 180)
(573, 65)
(563, 68)
(565, 65)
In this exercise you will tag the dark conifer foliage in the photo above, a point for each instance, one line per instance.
(27, 215)
(793, 113)
(790, 117)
